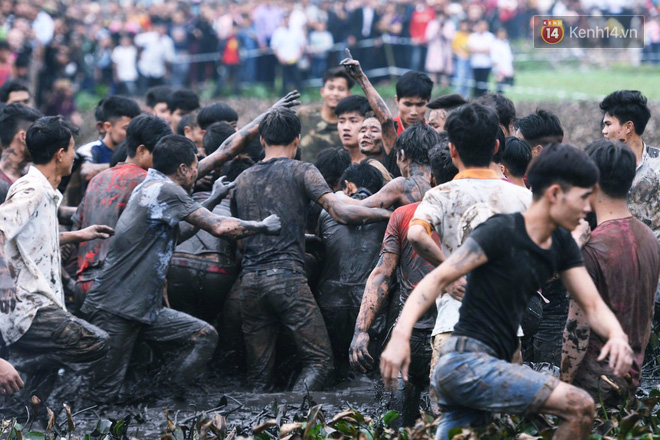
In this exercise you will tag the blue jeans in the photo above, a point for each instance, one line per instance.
(471, 383)
(462, 77)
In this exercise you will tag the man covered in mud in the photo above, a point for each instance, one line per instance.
(623, 259)
(108, 193)
(127, 296)
(351, 251)
(399, 261)
(440, 108)
(274, 286)
(34, 321)
(508, 257)
(412, 155)
(474, 193)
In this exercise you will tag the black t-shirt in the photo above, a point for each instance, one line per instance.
(284, 187)
(497, 292)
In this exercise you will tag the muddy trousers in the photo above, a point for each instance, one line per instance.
(407, 397)
(56, 338)
(189, 341)
(274, 297)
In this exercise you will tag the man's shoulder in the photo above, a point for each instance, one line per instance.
(653, 152)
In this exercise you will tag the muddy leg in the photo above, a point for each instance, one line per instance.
(575, 407)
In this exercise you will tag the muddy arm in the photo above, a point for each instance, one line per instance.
(424, 245)
(351, 214)
(576, 339)
(388, 196)
(230, 227)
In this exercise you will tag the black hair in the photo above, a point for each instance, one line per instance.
(119, 154)
(116, 107)
(172, 151)
(541, 128)
(472, 129)
(506, 111)
(338, 72)
(353, 103)
(236, 166)
(281, 126)
(216, 112)
(331, 163)
(516, 156)
(145, 130)
(362, 175)
(47, 136)
(447, 102)
(99, 116)
(4, 45)
(183, 99)
(617, 165)
(563, 164)
(13, 85)
(157, 94)
(13, 118)
(255, 150)
(216, 134)
(416, 141)
(189, 120)
(442, 166)
(501, 137)
(413, 84)
(628, 105)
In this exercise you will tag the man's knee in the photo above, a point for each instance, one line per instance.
(206, 336)
(580, 405)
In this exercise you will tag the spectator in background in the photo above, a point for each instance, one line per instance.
(156, 100)
(502, 57)
(320, 43)
(288, 44)
(180, 103)
(419, 20)
(480, 44)
(181, 39)
(439, 35)
(6, 62)
(231, 63)
(267, 17)
(15, 91)
(157, 52)
(124, 62)
(463, 70)
(362, 25)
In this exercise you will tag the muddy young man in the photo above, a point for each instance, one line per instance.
(319, 126)
(274, 286)
(129, 307)
(508, 258)
(34, 321)
(623, 259)
(441, 108)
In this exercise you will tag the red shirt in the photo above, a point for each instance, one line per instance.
(418, 22)
(399, 124)
(104, 201)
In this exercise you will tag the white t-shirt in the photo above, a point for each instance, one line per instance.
(484, 41)
(288, 43)
(502, 57)
(156, 51)
(125, 58)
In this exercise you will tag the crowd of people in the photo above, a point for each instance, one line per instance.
(443, 232)
(126, 48)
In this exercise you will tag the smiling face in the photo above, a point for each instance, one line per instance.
(348, 126)
(333, 91)
(370, 137)
(411, 109)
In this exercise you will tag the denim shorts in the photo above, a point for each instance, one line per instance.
(471, 383)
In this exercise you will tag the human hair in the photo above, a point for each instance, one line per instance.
(13, 85)
(516, 156)
(338, 72)
(172, 151)
(216, 134)
(562, 164)
(157, 95)
(236, 166)
(281, 126)
(189, 120)
(506, 111)
(617, 165)
(145, 130)
(447, 102)
(331, 163)
(415, 142)
(99, 116)
(48, 135)
(183, 99)
(116, 107)
(628, 105)
(353, 103)
(541, 128)
(472, 129)
(442, 166)
(216, 112)
(501, 138)
(120, 154)
(362, 175)
(13, 118)
(412, 84)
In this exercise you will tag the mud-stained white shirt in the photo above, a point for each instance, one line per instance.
(644, 195)
(455, 208)
(28, 220)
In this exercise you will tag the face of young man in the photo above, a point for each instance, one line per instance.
(348, 126)
(117, 129)
(437, 120)
(411, 109)
(176, 117)
(334, 90)
(571, 206)
(19, 96)
(160, 110)
(188, 175)
(613, 130)
(370, 137)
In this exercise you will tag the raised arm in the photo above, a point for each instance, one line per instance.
(601, 319)
(396, 356)
(376, 292)
(377, 103)
(351, 214)
(235, 143)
